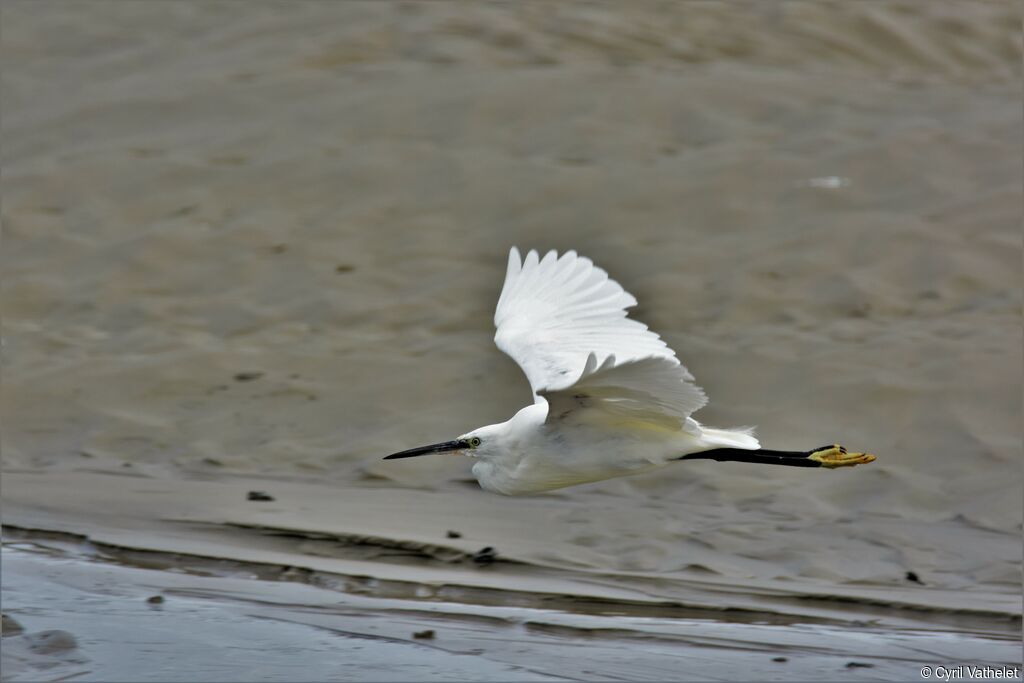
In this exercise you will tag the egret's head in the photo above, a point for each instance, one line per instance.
(473, 444)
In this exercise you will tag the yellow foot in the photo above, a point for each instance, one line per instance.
(836, 456)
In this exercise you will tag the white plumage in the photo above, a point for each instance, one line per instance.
(610, 397)
(553, 313)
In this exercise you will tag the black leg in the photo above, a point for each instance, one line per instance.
(761, 456)
(830, 456)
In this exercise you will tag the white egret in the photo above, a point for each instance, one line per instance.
(610, 397)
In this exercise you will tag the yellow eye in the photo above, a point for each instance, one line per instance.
(474, 441)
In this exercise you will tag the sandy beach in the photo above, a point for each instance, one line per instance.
(257, 252)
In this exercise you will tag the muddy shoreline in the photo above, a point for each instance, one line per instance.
(315, 575)
(50, 575)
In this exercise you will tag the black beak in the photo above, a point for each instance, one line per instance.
(456, 445)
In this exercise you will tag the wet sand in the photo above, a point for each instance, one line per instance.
(224, 620)
(256, 253)
(373, 576)
(317, 584)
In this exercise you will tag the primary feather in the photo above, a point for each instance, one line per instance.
(554, 312)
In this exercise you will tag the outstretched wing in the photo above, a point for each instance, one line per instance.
(651, 390)
(555, 313)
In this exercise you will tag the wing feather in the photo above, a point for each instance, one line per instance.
(564, 321)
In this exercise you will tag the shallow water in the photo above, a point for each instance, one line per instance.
(269, 246)
(214, 625)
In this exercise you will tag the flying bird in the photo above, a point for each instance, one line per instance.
(610, 398)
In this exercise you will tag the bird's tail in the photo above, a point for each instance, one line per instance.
(739, 437)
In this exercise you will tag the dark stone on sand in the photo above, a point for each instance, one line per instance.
(10, 627)
(780, 659)
(859, 665)
(485, 555)
(424, 635)
(259, 495)
(247, 376)
(344, 268)
(912, 576)
(155, 600)
(50, 642)
(453, 534)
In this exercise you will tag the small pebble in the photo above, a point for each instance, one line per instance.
(344, 268)
(485, 555)
(10, 627)
(247, 376)
(912, 576)
(780, 659)
(259, 495)
(155, 600)
(424, 635)
(454, 534)
(859, 665)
